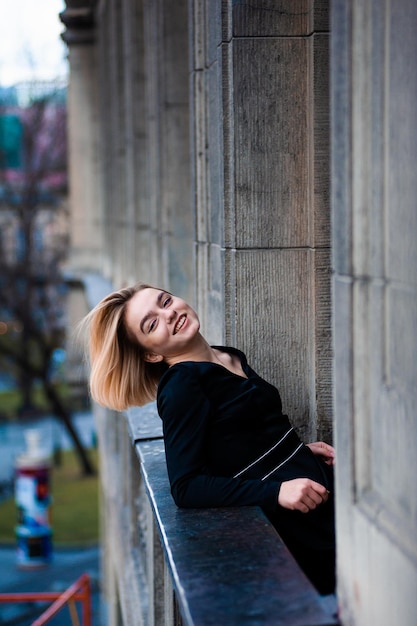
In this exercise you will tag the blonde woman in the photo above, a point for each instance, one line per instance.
(227, 441)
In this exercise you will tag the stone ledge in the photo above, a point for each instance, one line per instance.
(228, 565)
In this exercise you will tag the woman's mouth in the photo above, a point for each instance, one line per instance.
(180, 323)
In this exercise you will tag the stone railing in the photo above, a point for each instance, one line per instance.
(168, 566)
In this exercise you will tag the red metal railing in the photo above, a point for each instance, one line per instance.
(80, 591)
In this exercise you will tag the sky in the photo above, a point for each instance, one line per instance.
(30, 44)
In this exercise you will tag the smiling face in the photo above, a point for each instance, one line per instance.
(164, 325)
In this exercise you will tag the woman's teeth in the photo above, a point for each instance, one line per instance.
(179, 324)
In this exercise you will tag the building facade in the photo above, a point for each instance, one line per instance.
(200, 161)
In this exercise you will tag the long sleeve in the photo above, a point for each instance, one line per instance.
(187, 413)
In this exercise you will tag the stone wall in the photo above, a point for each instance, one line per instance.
(374, 151)
(199, 138)
(199, 162)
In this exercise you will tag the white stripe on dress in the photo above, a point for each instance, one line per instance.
(264, 454)
(281, 464)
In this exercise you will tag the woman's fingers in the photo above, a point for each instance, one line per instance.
(325, 450)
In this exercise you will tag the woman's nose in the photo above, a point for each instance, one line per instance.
(170, 314)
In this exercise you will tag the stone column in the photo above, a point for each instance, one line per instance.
(260, 135)
(168, 205)
(112, 76)
(137, 239)
(84, 166)
(374, 190)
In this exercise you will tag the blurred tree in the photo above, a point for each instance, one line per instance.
(33, 246)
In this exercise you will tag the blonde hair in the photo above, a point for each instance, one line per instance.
(119, 377)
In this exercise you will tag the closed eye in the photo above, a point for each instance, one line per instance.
(152, 325)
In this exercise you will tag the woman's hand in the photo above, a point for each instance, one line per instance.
(302, 494)
(324, 450)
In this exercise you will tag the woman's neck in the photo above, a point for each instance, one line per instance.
(203, 352)
(199, 350)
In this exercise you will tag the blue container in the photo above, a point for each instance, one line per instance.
(34, 546)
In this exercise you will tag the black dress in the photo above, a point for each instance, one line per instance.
(227, 443)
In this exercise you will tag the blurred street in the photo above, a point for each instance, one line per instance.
(66, 566)
(67, 563)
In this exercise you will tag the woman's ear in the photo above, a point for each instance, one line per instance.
(151, 357)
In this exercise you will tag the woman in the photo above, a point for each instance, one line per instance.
(227, 441)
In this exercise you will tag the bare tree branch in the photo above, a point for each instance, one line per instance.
(33, 246)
